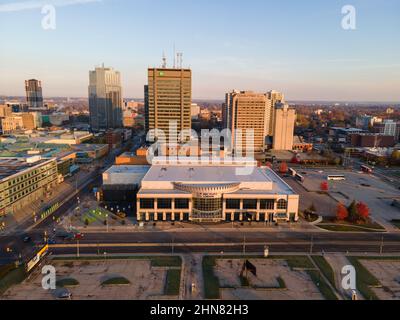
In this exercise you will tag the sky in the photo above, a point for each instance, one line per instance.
(297, 47)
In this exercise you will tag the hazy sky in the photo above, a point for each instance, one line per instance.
(298, 47)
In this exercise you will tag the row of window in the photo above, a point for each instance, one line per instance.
(214, 204)
(160, 216)
(251, 204)
(164, 203)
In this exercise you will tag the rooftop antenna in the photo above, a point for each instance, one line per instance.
(164, 61)
(179, 57)
(174, 57)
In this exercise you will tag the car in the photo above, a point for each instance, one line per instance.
(51, 241)
(27, 239)
(65, 295)
(78, 236)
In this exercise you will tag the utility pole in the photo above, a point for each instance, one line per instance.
(77, 248)
(172, 245)
(381, 247)
(311, 244)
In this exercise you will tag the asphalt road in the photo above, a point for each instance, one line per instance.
(227, 241)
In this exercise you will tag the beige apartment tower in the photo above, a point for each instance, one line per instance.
(168, 98)
(285, 117)
(275, 97)
(248, 111)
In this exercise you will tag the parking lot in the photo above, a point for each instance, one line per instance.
(145, 281)
(265, 286)
(378, 195)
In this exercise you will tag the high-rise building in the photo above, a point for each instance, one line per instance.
(25, 180)
(226, 109)
(249, 112)
(5, 111)
(21, 121)
(275, 97)
(390, 128)
(195, 111)
(284, 121)
(34, 96)
(168, 98)
(105, 99)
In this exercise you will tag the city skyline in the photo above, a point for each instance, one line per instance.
(330, 64)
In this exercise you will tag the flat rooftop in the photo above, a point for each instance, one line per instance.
(255, 179)
(12, 166)
(204, 174)
(128, 169)
(125, 175)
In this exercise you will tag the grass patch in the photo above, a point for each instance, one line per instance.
(156, 261)
(116, 281)
(396, 223)
(281, 283)
(325, 268)
(296, 262)
(365, 280)
(173, 282)
(10, 276)
(67, 282)
(166, 261)
(211, 282)
(244, 281)
(323, 287)
(348, 228)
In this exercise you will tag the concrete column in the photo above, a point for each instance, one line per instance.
(147, 216)
(223, 209)
(164, 216)
(138, 209)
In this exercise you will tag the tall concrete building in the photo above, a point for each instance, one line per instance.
(284, 120)
(275, 97)
(34, 96)
(105, 99)
(226, 109)
(168, 98)
(248, 111)
(5, 111)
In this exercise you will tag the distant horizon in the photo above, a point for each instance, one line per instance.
(220, 100)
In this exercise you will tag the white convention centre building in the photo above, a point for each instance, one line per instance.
(195, 191)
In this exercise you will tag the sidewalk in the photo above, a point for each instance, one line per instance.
(23, 218)
(188, 227)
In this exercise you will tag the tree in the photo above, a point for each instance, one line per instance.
(312, 208)
(363, 211)
(86, 222)
(283, 168)
(353, 213)
(324, 186)
(341, 212)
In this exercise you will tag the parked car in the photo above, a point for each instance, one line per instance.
(78, 236)
(65, 295)
(27, 239)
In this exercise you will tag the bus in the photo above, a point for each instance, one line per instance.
(299, 177)
(336, 177)
(366, 169)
